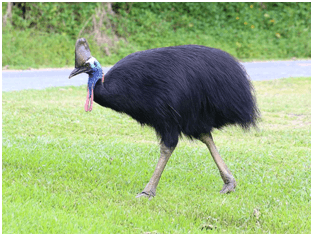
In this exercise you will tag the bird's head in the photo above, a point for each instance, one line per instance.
(85, 63)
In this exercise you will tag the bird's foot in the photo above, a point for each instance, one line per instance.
(148, 194)
(229, 186)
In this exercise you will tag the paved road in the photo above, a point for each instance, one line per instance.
(39, 79)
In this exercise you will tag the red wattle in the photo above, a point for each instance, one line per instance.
(91, 100)
(87, 101)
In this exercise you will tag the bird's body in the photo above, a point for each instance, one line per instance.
(178, 90)
(185, 89)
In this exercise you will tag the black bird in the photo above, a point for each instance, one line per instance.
(176, 90)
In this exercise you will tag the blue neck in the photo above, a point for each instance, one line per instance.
(94, 75)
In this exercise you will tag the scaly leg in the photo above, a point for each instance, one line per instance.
(150, 189)
(229, 180)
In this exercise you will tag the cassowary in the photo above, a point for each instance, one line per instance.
(176, 90)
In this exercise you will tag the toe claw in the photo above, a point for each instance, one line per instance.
(145, 194)
(142, 194)
(229, 187)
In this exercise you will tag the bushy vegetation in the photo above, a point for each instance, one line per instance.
(45, 33)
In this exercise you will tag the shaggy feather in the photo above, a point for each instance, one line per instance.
(180, 90)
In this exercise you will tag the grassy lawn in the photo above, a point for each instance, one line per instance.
(68, 171)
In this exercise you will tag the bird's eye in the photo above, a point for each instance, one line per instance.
(95, 63)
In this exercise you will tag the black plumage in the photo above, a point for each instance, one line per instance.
(184, 89)
(178, 90)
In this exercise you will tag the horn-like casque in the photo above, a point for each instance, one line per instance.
(82, 52)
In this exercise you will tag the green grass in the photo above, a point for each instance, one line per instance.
(68, 171)
(31, 48)
(45, 37)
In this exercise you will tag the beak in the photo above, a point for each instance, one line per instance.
(77, 71)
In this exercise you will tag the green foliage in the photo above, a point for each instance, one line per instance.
(37, 49)
(68, 171)
(246, 30)
(61, 18)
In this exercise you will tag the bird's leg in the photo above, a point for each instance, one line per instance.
(229, 180)
(150, 189)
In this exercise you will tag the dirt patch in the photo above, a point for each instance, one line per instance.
(300, 121)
